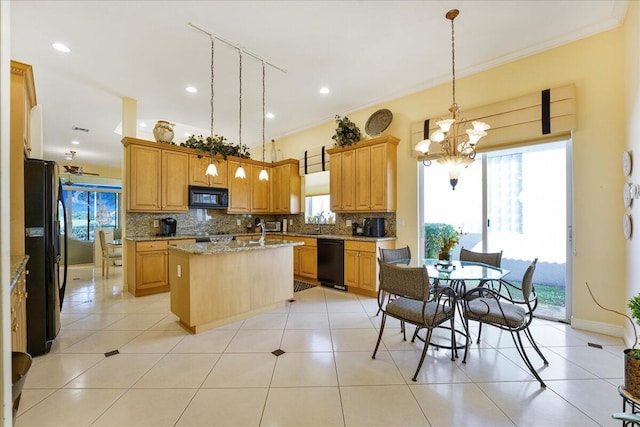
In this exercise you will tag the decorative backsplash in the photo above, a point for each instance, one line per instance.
(201, 221)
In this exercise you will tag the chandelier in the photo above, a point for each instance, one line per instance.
(457, 143)
(212, 170)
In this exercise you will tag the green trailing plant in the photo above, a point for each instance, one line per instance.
(347, 133)
(216, 145)
(634, 306)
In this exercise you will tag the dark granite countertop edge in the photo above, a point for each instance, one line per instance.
(18, 266)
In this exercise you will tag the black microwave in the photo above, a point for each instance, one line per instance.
(208, 198)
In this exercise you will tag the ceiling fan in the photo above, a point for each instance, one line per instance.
(72, 168)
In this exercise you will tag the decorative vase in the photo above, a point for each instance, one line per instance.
(631, 373)
(445, 257)
(163, 131)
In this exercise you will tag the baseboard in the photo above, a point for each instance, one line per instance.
(601, 328)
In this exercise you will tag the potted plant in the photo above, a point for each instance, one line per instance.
(631, 355)
(216, 145)
(440, 239)
(347, 133)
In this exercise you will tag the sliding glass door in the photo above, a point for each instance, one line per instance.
(516, 201)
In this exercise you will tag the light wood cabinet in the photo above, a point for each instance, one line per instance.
(19, 314)
(23, 99)
(157, 178)
(197, 171)
(259, 190)
(286, 192)
(239, 192)
(148, 266)
(361, 265)
(363, 176)
(305, 257)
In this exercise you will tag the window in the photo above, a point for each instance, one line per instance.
(90, 206)
(316, 207)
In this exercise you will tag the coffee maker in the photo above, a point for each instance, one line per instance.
(374, 227)
(169, 226)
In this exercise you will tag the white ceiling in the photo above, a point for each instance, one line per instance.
(366, 52)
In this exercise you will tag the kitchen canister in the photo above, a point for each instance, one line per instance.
(163, 131)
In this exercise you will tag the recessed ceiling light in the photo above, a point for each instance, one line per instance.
(61, 47)
(269, 115)
(75, 142)
(191, 89)
(142, 125)
(324, 90)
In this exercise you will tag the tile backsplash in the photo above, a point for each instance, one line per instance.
(200, 221)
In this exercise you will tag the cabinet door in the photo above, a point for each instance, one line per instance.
(277, 188)
(219, 181)
(260, 195)
(197, 168)
(175, 179)
(380, 179)
(144, 178)
(349, 173)
(151, 269)
(238, 189)
(335, 182)
(351, 268)
(296, 260)
(309, 262)
(367, 271)
(363, 179)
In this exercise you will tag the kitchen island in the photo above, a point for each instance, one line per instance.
(213, 284)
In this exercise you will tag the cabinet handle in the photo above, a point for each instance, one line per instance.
(13, 310)
(15, 327)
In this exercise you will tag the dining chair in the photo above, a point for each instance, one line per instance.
(414, 303)
(108, 253)
(489, 258)
(509, 308)
(390, 255)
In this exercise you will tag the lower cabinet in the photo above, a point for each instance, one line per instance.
(19, 315)
(305, 258)
(148, 266)
(361, 265)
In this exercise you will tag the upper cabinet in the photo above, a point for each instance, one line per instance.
(23, 99)
(198, 164)
(157, 178)
(363, 176)
(285, 188)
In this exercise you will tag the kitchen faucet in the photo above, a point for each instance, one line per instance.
(319, 218)
(263, 231)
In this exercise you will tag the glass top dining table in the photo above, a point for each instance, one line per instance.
(457, 271)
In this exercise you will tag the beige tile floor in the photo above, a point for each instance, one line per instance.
(165, 376)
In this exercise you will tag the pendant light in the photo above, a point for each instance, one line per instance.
(240, 171)
(212, 170)
(264, 176)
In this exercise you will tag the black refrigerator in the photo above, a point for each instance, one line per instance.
(47, 279)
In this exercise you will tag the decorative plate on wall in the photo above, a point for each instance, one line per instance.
(627, 226)
(378, 122)
(626, 195)
(627, 163)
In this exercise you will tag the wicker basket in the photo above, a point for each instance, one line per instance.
(631, 374)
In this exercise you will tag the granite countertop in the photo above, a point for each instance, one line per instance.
(257, 235)
(18, 266)
(232, 246)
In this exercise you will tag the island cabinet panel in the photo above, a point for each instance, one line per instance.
(148, 266)
(157, 178)
(363, 176)
(305, 258)
(260, 190)
(198, 167)
(239, 189)
(209, 290)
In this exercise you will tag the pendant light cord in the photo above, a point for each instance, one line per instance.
(263, 112)
(212, 90)
(240, 98)
(453, 60)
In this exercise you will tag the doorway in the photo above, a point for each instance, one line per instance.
(518, 201)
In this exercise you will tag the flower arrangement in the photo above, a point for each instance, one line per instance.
(347, 133)
(440, 237)
(216, 145)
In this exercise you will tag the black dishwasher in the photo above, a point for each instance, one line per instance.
(331, 263)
